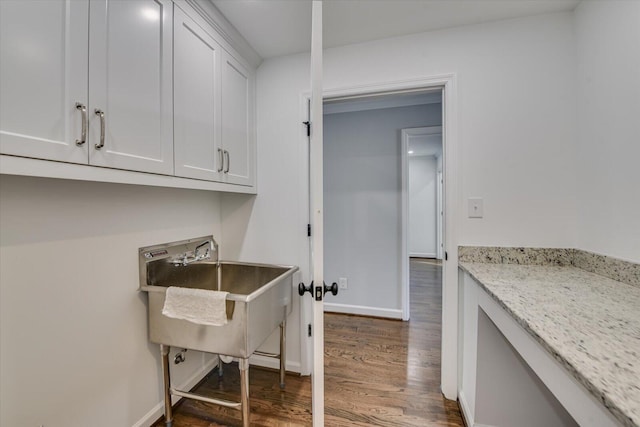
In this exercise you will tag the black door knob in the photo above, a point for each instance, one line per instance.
(333, 288)
(302, 288)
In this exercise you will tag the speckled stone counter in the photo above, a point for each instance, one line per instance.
(588, 322)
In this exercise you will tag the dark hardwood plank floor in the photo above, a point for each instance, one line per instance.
(378, 372)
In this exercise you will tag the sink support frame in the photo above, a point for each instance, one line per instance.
(243, 405)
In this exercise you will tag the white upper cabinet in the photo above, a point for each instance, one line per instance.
(43, 75)
(196, 101)
(88, 82)
(238, 137)
(121, 84)
(214, 103)
(130, 92)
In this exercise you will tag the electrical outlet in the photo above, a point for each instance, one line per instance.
(342, 283)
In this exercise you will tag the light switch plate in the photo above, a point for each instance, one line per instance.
(475, 207)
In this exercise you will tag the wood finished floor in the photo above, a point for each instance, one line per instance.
(378, 372)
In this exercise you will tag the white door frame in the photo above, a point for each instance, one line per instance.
(446, 82)
(317, 216)
(439, 212)
(404, 212)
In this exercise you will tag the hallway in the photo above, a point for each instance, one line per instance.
(378, 372)
(386, 372)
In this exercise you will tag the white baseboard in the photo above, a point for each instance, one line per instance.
(464, 408)
(466, 412)
(421, 255)
(157, 411)
(270, 362)
(363, 310)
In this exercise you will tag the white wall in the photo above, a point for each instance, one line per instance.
(362, 201)
(422, 206)
(272, 226)
(74, 349)
(507, 73)
(608, 71)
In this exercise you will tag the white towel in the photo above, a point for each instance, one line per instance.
(199, 306)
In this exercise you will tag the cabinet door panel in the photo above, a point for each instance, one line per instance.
(237, 120)
(130, 68)
(43, 73)
(196, 101)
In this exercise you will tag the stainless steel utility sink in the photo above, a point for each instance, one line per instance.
(259, 298)
(258, 302)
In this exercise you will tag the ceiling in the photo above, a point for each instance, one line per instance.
(283, 27)
(425, 145)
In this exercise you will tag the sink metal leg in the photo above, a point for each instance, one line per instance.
(283, 351)
(220, 371)
(244, 391)
(168, 412)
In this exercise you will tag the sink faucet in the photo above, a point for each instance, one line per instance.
(186, 258)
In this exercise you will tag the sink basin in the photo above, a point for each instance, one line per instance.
(259, 299)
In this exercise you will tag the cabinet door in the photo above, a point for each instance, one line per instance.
(196, 100)
(238, 138)
(130, 71)
(43, 74)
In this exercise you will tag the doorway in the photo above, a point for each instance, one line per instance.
(447, 85)
(365, 186)
(422, 210)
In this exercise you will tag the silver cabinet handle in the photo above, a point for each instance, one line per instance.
(221, 157)
(101, 114)
(226, 154)
(83, 112)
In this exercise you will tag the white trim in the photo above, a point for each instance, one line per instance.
(451, 168)
(377, 103)
(466, 413)
(439, 231)
(362, 310)
(449, 366)
(388, 88)
(317, 215)
(422, 255)
(11, 165)
(306, 318)
(271, 363)
(232, 39)
(404, 219)
(158, 410)
(464, 409)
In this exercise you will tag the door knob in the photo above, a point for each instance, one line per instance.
(302, 288)
(333, 288)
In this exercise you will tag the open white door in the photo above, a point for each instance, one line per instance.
(317, 214)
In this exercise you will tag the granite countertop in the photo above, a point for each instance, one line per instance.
(588, 322)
